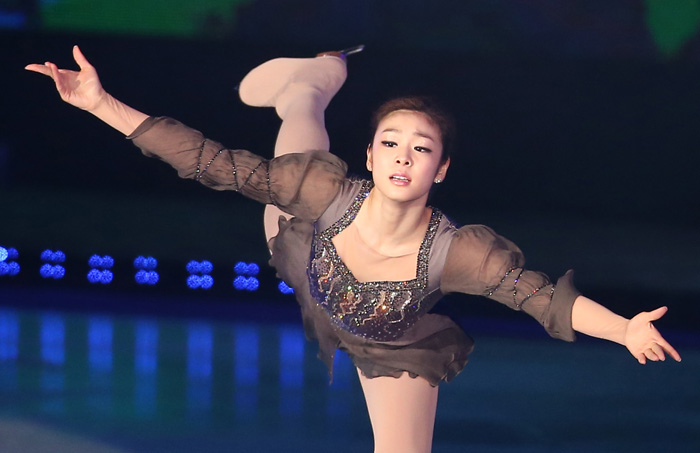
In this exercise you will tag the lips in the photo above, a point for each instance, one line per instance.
(400, 179)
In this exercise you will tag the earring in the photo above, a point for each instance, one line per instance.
(438, 180)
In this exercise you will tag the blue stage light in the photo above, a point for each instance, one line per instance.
(52, 271)
(253, 269)
(193, 267)
(285, 288)
(193, 281)
(253, 284)
(147, 263)
(106, 277)
(93, 276)
(247, 269)
(240, 268)
(204, 281)
(141, 277)
(102, 262)
(100, 276)
(239, 283)
(50, 256)
(144, 277)
(152, 277)
(8, 267)
(242, 283)
(53, 257)
(100, 272)
(207, 281)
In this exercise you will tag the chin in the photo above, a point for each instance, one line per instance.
(403, 195)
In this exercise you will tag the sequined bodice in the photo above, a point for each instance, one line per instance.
(382, 310)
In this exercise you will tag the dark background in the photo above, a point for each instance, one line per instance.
(578, 131)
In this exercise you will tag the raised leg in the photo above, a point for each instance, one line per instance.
(402, 412)
(299, 89)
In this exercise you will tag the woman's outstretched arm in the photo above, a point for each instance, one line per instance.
(638, 334)
(480, 261)
(301, 184)
(83, 89)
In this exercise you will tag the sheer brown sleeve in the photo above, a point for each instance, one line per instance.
(302, 185)
(481, 262)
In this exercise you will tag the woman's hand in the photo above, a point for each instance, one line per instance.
(644, 341)
(84, 90)
(81, 89)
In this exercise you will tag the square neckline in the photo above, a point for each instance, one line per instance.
(419, 281)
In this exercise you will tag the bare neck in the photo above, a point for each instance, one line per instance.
(391, 227)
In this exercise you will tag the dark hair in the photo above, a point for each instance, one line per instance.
(427, 106)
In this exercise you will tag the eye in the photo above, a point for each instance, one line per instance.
(388, 143)
(422, 149)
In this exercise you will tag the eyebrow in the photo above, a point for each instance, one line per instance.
(418, 133)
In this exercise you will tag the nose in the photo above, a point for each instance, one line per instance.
(403, 159)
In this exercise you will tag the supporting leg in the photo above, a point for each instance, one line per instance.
(402, 412)
(299, 89)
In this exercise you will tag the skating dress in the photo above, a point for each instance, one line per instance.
(386, 327)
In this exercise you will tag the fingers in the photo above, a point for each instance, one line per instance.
(40, 68)
(55, 76)
(660, 342)
(658, 313)
(46, 68)
(658, 352)
(80, 58)
(666, 346)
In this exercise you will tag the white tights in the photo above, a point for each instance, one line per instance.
(402, 412)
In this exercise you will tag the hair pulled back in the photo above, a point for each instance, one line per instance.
(427, 106)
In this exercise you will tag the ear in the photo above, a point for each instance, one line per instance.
(369, 157)
(442, 169)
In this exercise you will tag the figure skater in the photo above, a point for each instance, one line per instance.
(367, 259)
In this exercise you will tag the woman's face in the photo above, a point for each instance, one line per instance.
(404, 156)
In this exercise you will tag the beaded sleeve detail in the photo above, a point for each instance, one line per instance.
(200, 172)
(301, 184)
(518, 304)
(380, 310)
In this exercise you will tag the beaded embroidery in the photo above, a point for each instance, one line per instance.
(381, 310)
(519, 304)
(199, 171)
